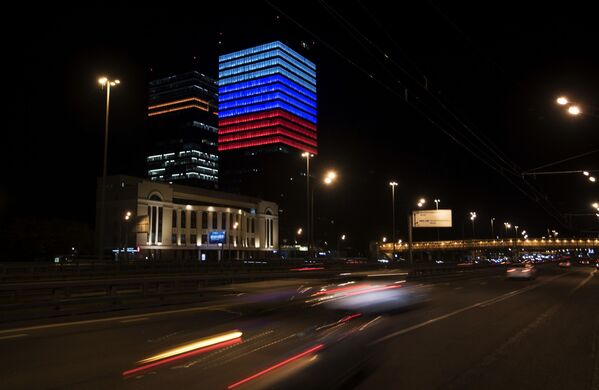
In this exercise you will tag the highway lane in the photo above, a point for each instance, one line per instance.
(475, 332)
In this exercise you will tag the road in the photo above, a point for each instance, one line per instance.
(470, 332)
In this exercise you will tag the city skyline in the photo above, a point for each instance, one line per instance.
(382, 137)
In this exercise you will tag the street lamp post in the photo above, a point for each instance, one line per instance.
(472, 218)
(104, 82)
(341, 238)
(235, 225)
(516, 228)
(437, 208)
(330, 177)
(393, 184)
(492, 228)
(507, 225)
(308, 156)
(127, 219)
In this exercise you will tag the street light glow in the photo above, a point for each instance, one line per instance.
(562, 100)
(596, 205)
(299, 231)
(343, 237)
(384, 239)
(393, 183)
(586, 173)
(574, 110)
(102, 80)
(592, 178)
(328, 180)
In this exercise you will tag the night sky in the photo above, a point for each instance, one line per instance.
(497, 67)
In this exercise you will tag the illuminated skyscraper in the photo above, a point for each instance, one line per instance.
(267, 97)
(182, 117)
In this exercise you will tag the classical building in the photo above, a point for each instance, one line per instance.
(162, 221)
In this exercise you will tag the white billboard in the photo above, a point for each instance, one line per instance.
(431, 218)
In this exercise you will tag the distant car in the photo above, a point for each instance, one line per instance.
(565, 264)
(585, 262)
(521, 271)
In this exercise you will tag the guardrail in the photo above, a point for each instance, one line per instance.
(46, 271)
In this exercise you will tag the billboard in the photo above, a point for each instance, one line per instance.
(217, 237)
(431, 218)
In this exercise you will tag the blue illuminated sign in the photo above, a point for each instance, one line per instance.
(217, 237)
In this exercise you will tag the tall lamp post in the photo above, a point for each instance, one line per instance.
(507, 226)
(330, 177)
(104, 82)
(235, 225)
(472, 218)
(393, 184)
(308, 156)
(492, 228)
(127, 219)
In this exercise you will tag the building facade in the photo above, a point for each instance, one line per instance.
(182, 116)
(267, 96)
(161, 221)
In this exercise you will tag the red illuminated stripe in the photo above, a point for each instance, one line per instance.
(277, 130)
(267, 141)
(281, 364)
(267, 123)
(306, 269)
(182, 356)
(350, 317)
(277, 113)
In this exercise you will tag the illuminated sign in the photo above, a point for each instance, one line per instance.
(217, 237)
(431, 218)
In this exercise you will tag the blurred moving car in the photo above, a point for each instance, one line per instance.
(521, 271)
(565, 264)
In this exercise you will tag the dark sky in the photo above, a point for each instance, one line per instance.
(495, 66)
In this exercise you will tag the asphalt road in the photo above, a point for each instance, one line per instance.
(474, 332)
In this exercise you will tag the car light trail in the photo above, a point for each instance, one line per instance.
(335, 290)
(202, 343)
(278, 365)
(307, 269)
(181, 356)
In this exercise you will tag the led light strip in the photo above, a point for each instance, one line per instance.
(177, 109)
(265, 115)
(263, 124)
(177, 102)
(267, 141)
(277, 130)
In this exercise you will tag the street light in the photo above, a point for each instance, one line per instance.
(104, 82)
(516, 228)
(235, 225)
(328, 179)
(128, 215)
(507, 226)
(308, 156)
(574, 110)
(562, 100)
(472, 218)
(492, 228)
(393, 184)
(437, 203)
